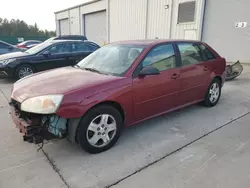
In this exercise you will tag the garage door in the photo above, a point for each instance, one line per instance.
(64, 27)
(220, 29)
(95, 27)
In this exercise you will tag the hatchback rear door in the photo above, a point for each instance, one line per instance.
(213, 64)
(192, 73)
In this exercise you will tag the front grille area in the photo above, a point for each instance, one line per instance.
(3, 74)
(31, 125)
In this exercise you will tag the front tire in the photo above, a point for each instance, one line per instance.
(23, 71)
(213, 93)
(99, 129)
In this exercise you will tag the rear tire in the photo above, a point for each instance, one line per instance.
(99, 129)
(213, 93)
(23, 71)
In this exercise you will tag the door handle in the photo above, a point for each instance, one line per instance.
(205, 68)
(175, 76)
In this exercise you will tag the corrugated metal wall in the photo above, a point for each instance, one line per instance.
(75, 15)
(182, 30)
(127, 19)
(149, 19)
(159, 19)
(139, 19)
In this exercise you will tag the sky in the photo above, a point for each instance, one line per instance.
(36, 11)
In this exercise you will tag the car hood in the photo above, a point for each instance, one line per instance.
(13, 55)
(57, 81)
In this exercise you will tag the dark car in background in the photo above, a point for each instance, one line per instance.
(8, 48)
(28, 44)
(44, 56)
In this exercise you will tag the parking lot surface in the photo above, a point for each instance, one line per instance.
(62, 164)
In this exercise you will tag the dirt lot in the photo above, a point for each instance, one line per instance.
(171, 139)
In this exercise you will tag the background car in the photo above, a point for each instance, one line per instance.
(44, 56)
(119, 85)
(8, 48)
(27, 44)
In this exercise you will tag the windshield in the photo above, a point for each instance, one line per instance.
(38, 48)
(112, 59)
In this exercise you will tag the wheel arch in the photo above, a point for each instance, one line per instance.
(219, 78)
(114, 104)
(73, 124)
(21, 65)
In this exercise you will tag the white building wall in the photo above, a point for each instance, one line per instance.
(159, 19)
(185, 30)
(127, 19)
(90, 8)
(137, 19)
(75, 15)
(220, 29)
(74, 19)
(150, 19)
(60, 16)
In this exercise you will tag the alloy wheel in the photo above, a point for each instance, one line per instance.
(101, 130)
(214, 92)
(25, 71)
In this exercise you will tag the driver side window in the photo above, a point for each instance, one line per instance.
(161, 57)
(60, 49)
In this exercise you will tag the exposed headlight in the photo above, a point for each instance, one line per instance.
(47, 104)
(6, 61)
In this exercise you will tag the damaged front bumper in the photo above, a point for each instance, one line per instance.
(36, 127)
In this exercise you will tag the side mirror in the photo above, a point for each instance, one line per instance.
(46, 53)
(149, 70)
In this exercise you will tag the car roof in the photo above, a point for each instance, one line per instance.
(70, 36)
(152, 41)
(64, 40)
(80, 41)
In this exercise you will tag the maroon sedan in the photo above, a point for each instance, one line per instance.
(119, 85)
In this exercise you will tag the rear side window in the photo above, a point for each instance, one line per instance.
(161, 57)
(60, 48)
(92, 47)
(206, 53)
(189, 54)
(81, 47)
